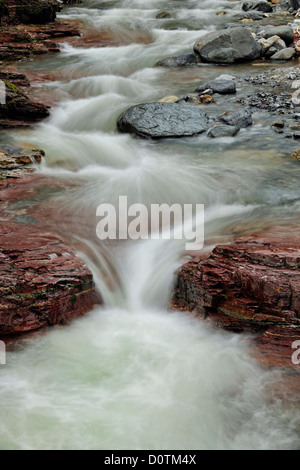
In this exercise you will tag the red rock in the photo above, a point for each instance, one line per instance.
(251, 285)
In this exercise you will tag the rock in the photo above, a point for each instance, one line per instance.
(163, 15)
(239, 119)
(223, 87)
(250, 285)
(273, 43)
(169, 99)
(223, 131)
(259, 5)
(178, 61)
(42, 281)
(286, 33)
(225, 76)
(228, 46)
(36, 11)
(19, 110)
(250, 15)
(163, 120)
(284, 54)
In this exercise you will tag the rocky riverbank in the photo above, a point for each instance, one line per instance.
(43, 282)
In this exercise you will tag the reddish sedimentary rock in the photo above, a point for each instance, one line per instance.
(43, 282)
(251, 285)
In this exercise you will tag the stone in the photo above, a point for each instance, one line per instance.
(36, 11)
(163, 15)
(286, 33)
(19, 110)
(42, 281)
(239, 119)
(250, 285)
(259, 5)
(223, 131)
(250, 16)
(169, 99)
(163, 120)
(178, 61)
(228, 46)
(223, 87)
(284, 54)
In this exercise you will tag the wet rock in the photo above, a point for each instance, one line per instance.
(239, 119)
(223, 131)
(259, 5)
(284, 54)
(163, 15)
(286, 33)
(178, 61)
(250, 285)
(169, 99)
(228, 46)
(163, 120)
(223, 87)
(36, 11)
(250, 15)
(19, 110)
(42, 281)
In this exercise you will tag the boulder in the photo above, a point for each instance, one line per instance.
(250, 285)
(228, 46)
(286, 33)
(163, 120)
(239, 119)
(259, 5)
(178, 61)
(223, 87)
(223, 131)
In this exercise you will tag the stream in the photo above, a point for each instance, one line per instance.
(132, 374)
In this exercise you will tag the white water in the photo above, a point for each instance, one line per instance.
(132, 375)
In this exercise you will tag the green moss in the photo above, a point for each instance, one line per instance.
(73, 299)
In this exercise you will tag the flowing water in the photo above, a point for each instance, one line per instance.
(132, 374)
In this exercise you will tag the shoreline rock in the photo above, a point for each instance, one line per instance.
(251, 285)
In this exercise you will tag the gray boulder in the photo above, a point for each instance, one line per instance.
(223, 87)
(228, 46)
(163, 120)
(239, 119)
(286, 33)
(284, 54)
(259, 5)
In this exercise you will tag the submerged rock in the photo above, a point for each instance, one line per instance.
(228, 46)
(163, 120)
(223, 131)
(178, 61)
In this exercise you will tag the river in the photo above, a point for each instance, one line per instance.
(132, 374)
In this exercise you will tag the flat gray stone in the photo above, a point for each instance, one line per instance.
(284, 54)
(239, 119)
(163, 120)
